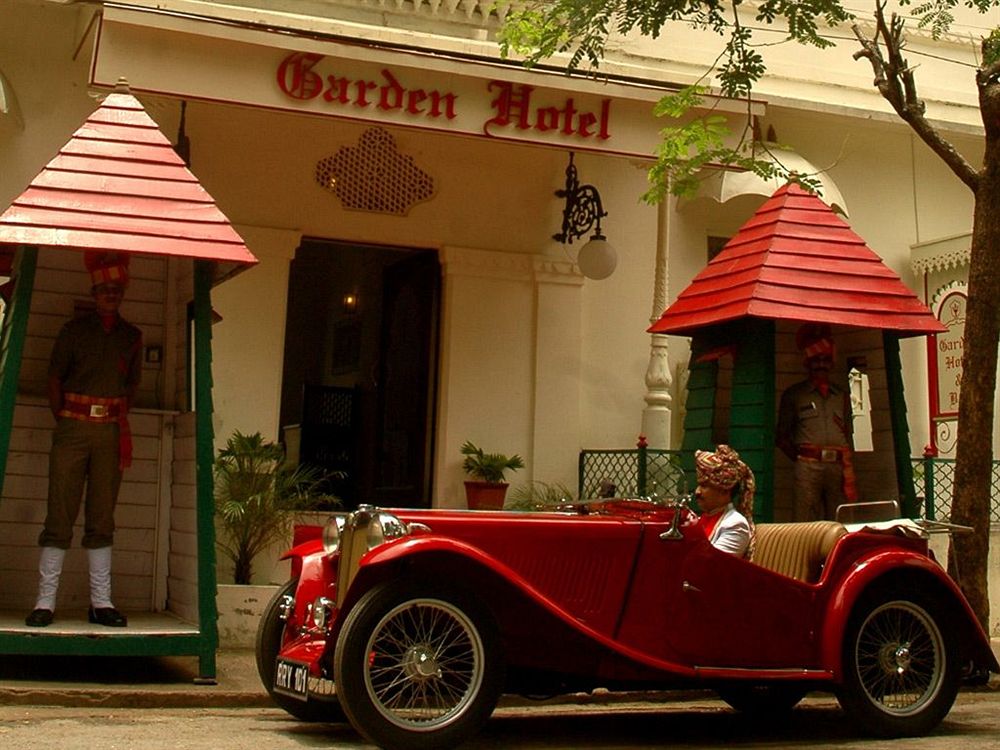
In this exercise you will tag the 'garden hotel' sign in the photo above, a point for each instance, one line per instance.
(301, 77)
(239, 63)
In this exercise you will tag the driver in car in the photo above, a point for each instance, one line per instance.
(725, 496)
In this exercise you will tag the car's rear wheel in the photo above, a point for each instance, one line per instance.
(417, 667)
(900, 663)
(271, 636)
(762, 699)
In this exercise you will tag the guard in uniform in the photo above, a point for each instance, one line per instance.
(93, 376)
(814, 431)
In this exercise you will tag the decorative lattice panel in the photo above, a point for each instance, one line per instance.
(935, 479)
(617, 472)
(374, 176)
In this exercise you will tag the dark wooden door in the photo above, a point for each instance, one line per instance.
(406, 382)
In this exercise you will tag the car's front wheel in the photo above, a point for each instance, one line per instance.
(418, 667)
(900, 663)
(271, 636)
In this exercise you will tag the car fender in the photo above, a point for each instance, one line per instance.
(385, 561)
(316, 574)
(896, 564)
(300, 552)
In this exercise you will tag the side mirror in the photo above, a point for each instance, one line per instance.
(680, 504)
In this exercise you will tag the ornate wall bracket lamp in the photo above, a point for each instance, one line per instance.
(583, 211)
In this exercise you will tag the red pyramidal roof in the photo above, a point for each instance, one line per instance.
(795, 259)
(119, 185)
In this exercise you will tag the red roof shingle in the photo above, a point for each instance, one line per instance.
(795, 259)
(118, 184)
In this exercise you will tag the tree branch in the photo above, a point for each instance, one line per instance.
(895, 81)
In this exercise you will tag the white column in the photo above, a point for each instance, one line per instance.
(656, 414)
(557, 372)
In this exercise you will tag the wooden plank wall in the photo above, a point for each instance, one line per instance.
(182, 581)
(61, 283)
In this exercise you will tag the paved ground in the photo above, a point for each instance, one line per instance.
(634, 725)
(147, 703)
(169, 682)
(138, 681)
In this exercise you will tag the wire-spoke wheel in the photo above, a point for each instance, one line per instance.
(417, 670)
(900, 665)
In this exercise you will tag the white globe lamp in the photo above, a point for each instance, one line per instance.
(597, 259)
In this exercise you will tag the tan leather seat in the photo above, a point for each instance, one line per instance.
(797, 550)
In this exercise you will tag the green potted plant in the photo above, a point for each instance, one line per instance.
(256, 493)
(486, 488)
(538, 495)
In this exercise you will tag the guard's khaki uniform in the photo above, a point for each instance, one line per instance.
(97, 368)
(820, 429)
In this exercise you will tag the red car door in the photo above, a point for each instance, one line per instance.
(695, 605)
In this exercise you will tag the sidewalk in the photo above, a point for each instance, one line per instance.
(131, 682)
(169, 682)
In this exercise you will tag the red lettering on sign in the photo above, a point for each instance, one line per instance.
(296, 76)
(437, 98)
(336, 90)
(512, 107)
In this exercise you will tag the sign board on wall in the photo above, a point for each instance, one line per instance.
(949, 307)
(241, 64)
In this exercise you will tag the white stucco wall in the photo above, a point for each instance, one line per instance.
(248, 343)
(533, 360)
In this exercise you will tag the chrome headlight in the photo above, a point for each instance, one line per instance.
(332, 532)
(321, 609)
(385, 527)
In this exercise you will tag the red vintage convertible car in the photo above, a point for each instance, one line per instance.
(411, 624)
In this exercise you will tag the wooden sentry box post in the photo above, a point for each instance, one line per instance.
(117, 185)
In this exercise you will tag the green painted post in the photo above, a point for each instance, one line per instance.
(929, 508)
(643, 462)
(900, 427)
(15, 329)
(204, 460)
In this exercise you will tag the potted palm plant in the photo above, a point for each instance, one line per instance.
(257, 499)
(486, 488)
(256, 494)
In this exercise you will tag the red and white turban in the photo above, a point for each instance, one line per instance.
(814, 339)
(106, 267)
(724, 469)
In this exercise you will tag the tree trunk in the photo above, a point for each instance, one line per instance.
(967, 560)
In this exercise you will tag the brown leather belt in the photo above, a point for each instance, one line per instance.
(828, 455)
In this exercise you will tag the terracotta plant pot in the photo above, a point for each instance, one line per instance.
(485, 495)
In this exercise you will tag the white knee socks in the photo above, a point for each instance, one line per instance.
(100, 577)
(50, 565)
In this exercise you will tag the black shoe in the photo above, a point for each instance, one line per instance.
(108, 616)
(39, 618)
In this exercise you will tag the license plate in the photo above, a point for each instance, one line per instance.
(292, 678)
